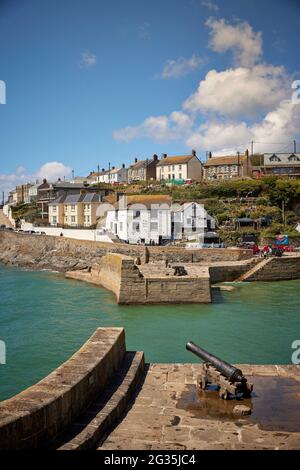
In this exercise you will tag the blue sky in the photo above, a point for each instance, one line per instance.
(93, 81)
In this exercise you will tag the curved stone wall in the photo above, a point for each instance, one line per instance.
(131, 285)
(39, 413)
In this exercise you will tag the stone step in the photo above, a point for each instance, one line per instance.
(248, 274)
(91, 428)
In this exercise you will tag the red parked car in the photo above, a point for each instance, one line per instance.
(251, 246)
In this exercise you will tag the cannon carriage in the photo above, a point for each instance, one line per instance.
(230, 381)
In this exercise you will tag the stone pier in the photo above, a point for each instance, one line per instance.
(105, 397)
(169, 412)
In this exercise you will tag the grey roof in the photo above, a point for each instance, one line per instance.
(58, 200)
(67, 185)
(66, 198)
(141, 164)
(91, 197)
(73, 198)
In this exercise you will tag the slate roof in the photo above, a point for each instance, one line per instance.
(176, 160)
(231, 160)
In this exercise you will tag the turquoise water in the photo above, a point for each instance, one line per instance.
(44, 318)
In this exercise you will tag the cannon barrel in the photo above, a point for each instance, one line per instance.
(232, 373)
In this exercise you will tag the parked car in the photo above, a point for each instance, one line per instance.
(250, 246)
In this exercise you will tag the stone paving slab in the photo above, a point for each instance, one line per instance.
(161, 416)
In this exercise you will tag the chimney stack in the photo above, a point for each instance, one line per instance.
(135, 160)
(164, 155)
(194, 153)
(123, 165)
(209, 155)
(155, 157)
(112, 167)
(103, 170)
(247, 153)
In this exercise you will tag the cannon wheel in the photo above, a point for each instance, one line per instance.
(202, 383)
(223, 394)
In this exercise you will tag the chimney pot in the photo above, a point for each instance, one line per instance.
(123, 165)
(209, 155)
(155, 157)
(112, 167)
(103, 170)
(135, 160)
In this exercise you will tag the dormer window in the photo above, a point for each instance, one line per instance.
(293, 158)
(275, 158)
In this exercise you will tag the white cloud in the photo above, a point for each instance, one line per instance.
(210, 5)
(220, 136)
(279, 126)
(88, 59)
(240, 38)
(51, 171)
(176, 68)
(233, 107)
(241, 91)
(158, 128)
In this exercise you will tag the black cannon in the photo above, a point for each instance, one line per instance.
(229, 379)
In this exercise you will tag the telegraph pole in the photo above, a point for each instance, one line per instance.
(98, 178)
(283, 212)
(108, 172)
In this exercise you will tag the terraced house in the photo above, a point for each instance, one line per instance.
(111, 176)
(143, 170)
(227, 167)
(179, 168)
(75, 210)
(282, 164)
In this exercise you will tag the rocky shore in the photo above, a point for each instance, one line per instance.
(39, 252)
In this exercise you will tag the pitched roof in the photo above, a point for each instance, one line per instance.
(73, 198)
(229, 160)
(66, 198)
(116, 170)
(91, 197)
(58, 200)
(146, 200)
(139, 164)
(95, 174)
(179, 159)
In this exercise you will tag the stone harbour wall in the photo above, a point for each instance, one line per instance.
(229, 272)
(62, 254)
(278, 269)
(39, 413)
(119, 274)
